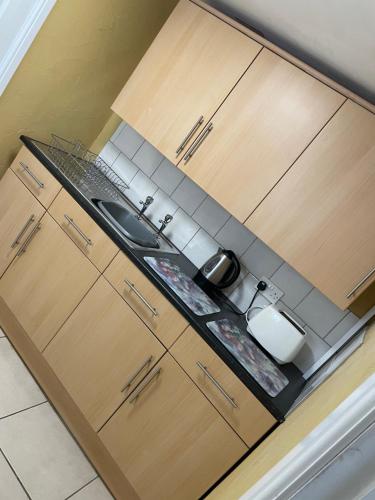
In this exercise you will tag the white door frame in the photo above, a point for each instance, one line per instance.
(28, 27)
(348, 421)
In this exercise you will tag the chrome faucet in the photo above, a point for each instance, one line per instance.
(164, 222)
(145, 204)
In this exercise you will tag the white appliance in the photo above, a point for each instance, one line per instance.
(278, 333)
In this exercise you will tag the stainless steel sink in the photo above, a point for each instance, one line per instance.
(136, 230)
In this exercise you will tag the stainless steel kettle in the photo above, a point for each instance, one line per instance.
(222, 269)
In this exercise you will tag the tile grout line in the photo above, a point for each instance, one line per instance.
(24, 409)
(81, 488)
(15, 474)
(342, 319)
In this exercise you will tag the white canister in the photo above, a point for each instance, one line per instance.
(278, 333)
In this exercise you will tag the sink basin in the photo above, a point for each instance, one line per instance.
(128, 224)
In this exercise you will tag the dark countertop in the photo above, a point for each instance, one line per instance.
(278, 405)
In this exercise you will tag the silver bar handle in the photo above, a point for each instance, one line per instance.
(32, 175)
(368, 275)
(19, 236)
(217, 385)
(189, 135)
(140, 296)
(197, 143)
(135, 396)
(146, 364)
(28, 240)
(78, 229)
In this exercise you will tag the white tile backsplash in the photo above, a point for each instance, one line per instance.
(167, 176)
(261, 260)
(235, 236)
(128, 141)
(188, 196)
(312, 351)
(182, 229)
(200, 225)
(319, 313)
(161, 206)
(340, 329)
(244, 292)
(140, 187)
(200, 248)
(211, 216)
(294, 286)
(109, 153)
(124, 168)
(147, 158)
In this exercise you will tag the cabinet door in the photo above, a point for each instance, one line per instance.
(102, 352)
(46, 282)
(325, 206)
(169, 441)
(83, 230)
(267, 121)
(240, 408)
(36, 177)
(19, 213)
(146, 300)
(188, 71)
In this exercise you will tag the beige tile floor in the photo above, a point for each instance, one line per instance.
(39, 459)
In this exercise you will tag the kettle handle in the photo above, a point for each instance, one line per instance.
(234, 273)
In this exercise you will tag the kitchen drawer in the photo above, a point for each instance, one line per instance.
(227, 393)
(83, 230)
(36, 177)
(146, 300)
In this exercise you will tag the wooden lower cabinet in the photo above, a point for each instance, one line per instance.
(83, 230)
(146, 300)
(240, 408)
(46, 282)
(19, 213)
(36, 177)
(170, 442)
(102, 352)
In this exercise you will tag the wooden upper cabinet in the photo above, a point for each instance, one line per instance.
(83, 230)
(168, 439)
(36, 177)
(267, 121)
(102, 352)
(188, 71)
(19, 213)
(321, 216)
(44, 284)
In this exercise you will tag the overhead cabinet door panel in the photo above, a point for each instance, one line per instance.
(267, 121)
(187, 72)
(325, 206)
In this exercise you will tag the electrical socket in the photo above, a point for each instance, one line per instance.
(271, 293)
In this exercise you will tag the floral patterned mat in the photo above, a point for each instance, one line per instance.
(183, 286)
(239, 343)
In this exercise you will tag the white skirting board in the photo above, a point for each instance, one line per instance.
(343, 426)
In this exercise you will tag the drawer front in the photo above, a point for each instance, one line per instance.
(227, 393)
(146, 300)
(36, 177)
(83, 230)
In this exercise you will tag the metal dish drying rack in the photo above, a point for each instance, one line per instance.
(86, 169)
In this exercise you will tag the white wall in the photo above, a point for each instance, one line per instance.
(336, 36)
